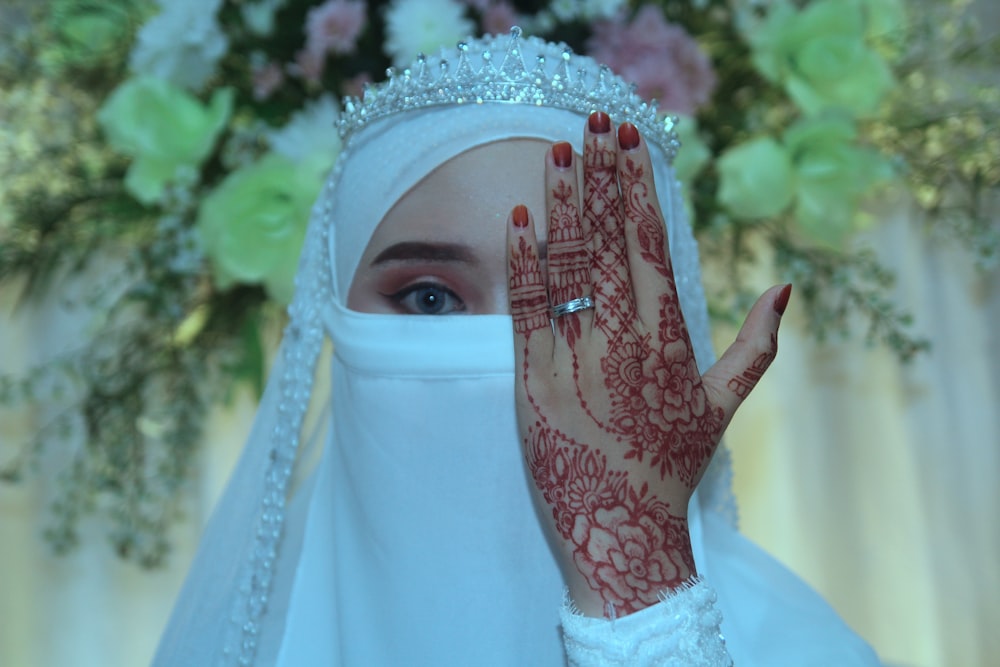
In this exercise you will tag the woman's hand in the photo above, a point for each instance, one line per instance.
(616, 422)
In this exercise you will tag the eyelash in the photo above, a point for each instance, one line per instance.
(398, 297)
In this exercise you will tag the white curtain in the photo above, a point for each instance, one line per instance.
(876, 482)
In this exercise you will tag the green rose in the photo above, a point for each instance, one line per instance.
(165, 131)
(91, 33)
(832, 174)
(693, 153)
(821, 56)
(884, 17)
(886, 22)
(755, 179)
(253, 224)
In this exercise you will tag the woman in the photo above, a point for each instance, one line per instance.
(422, 538)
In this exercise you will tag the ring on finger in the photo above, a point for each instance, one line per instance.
(572, 306)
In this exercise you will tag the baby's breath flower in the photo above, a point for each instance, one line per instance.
(423, 26)
(182, 44)
(310, 137)
(259, 15)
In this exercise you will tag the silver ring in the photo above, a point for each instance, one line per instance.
(572, 306)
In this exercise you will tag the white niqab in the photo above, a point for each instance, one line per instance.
(438, 553)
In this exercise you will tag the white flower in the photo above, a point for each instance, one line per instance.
(601, 9)
(541, 22)
(423, 26)
(182, 44)
(310, 137)
(259, 16)
(565, 10)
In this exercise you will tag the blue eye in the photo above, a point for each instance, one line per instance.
(427, 299)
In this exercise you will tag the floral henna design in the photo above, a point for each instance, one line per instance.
(570, 479)
(672, 328)
(629, 557)
(649, 226)
(658, 405)
(626, 543)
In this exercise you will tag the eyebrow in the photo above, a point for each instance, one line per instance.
(417, 251)
(426, 252)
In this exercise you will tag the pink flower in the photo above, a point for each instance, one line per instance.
(266, 80)
(355, 86)
(308, 65)
(498, 17)
(334, 26)
(663, 61)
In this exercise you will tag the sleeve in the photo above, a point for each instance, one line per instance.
(682, 630)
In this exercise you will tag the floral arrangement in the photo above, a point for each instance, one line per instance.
(173, 149)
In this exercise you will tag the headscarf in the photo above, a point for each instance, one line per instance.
(414, 541)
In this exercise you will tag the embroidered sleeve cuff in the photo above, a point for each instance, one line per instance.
(682, 630)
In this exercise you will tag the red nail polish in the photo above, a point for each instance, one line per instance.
(599, 122)
(781, 302)
(520, 216)
(628, 136)
(562, 155)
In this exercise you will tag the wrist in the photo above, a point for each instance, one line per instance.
(624, 581)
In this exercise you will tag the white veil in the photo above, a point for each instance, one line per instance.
(415, 540)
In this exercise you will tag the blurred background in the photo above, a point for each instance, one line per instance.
(157, 165)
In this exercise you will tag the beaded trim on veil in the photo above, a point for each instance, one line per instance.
(558, 79)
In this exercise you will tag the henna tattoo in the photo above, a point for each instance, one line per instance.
(743, 384)
(649, 226)
(672, 327)
(658, 404)
(571, 480)
(528, 301)
(569, 257)
(645, 408)
(626, 543)
(615, 312)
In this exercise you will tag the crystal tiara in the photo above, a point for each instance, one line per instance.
(576, 83)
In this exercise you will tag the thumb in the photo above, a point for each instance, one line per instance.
(737, 372)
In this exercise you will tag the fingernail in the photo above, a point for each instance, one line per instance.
(600, 122)
(628, 136)
(562, 154)
(781, 302)
(520, 216)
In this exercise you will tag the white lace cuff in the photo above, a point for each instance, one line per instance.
(682, 630)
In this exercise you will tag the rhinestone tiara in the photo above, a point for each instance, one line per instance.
(560, 79)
